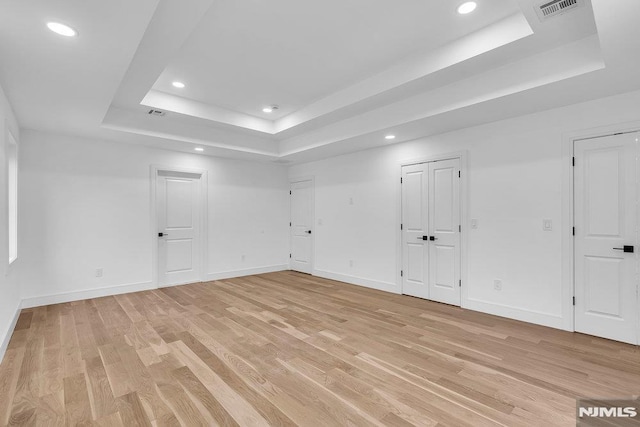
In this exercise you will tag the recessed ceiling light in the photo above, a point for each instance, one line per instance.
(199, 149)
(467, 7)
(63, 30)
(390, 137)
(179, 85)
(270, 109)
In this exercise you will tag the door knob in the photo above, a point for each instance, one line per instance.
(308, 231)
(423, 238)
(432, 238)
(625, 248)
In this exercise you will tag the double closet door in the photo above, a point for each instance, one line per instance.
(431, 231)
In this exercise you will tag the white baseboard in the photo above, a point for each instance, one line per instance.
(536, 317)
(8, 333)
(136, 287)
(246, 272)
(529, 316)
(354, 280)
(171, 285)
(86, 294)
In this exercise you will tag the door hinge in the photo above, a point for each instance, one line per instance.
(400, 180)
(460, 283)
(289, 255)
(574, 231)
(400, 226)
(460, 229)
(289, 224)
(459, 174)
(289, 192)
(401, 273)
(574, 300)
(573, 161)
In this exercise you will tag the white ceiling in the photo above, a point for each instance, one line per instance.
(64, 84)
(244, 55)
(344, 73)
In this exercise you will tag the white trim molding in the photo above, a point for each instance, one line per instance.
(9, 333)
(246, 272)
(359, 281)
(86, 294)
(530, 316)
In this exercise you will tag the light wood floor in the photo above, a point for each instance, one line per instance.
(289, 349)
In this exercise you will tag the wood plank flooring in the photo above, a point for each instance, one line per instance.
(288, 349)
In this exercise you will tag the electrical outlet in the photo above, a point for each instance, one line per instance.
(497, 284)
(350, 263)
(547, 225)
(474, 223)
(98, 272)
(242, 258)
(350, 200)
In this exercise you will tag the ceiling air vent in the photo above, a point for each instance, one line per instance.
(154, 112)
(556, 7)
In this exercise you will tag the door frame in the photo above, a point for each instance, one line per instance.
(292, 181)
(568, 212)
(464, 220)
(204, 219)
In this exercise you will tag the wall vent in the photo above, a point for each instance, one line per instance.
(557, 7)
(154, 112)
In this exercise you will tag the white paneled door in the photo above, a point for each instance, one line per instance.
(301, 228)
(444, 228)
(415, 230)
(431, 231)
(606, 245)
(178, 213)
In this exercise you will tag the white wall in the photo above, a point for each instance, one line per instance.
(9, 290)
(86, 205)
(515, 180)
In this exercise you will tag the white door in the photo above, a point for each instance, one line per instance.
(178, 214)
(444, 226)
(415, 230)
(302, 226)
(431, 231)
(606, 249)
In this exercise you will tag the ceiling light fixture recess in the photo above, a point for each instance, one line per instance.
(389, 137)
(63, 30)
(270, 109)
(467, 7)
(199, 149)
(179, 85)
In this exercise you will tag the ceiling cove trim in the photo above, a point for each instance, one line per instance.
(504, 32)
